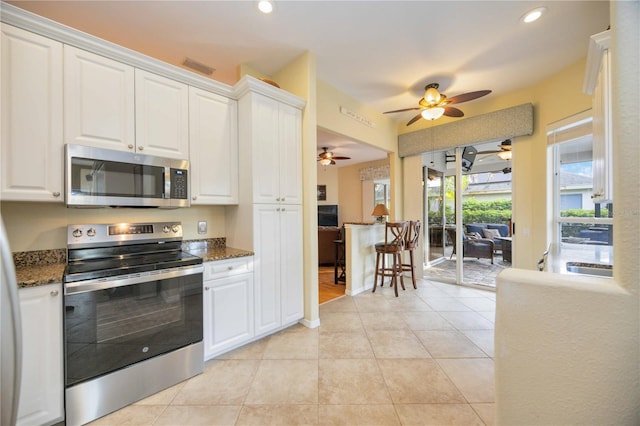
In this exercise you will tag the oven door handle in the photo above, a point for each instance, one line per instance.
(131, 279)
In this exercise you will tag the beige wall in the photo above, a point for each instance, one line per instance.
(328, 176)
(43, 226)
(351, 193)
(556, 97)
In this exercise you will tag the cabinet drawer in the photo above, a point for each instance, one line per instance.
(227, 268)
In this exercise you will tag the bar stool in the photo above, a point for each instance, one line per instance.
(394, 239)
(410, 243)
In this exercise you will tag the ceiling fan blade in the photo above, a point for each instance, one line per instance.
(414, 119)
(402, 110)
(452, 112)
(466, 97)
(340, 158)
(489, 152)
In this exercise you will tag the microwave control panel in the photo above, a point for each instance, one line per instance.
(179, 184)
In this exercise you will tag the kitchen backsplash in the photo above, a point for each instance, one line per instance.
(43, 226)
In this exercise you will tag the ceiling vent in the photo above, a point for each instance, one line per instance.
(197, 66)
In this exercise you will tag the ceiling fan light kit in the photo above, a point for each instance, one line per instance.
(504, 155)
(432, 113)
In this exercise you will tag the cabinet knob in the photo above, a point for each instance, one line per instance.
(230, 268)
(282, 209)
(54, 293)
(56, 194)
(282, 199)
(195, 197)
(140, 148)
(206, 288)
(130, 146)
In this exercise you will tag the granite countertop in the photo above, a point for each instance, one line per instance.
(42, 267)
(219, 253)
(560, 254)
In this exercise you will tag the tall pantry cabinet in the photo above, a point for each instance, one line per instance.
(269, 215)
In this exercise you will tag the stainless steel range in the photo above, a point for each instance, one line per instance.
(133, 315)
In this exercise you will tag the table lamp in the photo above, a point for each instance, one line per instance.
(380, 211)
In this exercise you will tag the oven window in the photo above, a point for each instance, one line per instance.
(106, 330)
(115, 179)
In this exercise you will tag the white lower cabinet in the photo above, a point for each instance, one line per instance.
(278, 246)
(42, 387)
(228, 305)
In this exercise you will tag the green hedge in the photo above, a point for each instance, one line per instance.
(474, 211)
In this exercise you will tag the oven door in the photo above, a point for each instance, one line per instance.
(129, 319)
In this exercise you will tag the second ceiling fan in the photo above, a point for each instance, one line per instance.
(327, 157)
(435, 104)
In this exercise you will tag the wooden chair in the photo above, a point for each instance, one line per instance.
(410, 243)
(394, 240)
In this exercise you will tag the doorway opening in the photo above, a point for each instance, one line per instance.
(467, 192)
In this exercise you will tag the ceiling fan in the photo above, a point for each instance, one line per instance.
(435, 104)
(326, 157)
(504, 152)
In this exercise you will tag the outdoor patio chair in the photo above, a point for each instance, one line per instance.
(480, 248)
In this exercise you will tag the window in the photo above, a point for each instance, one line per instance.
(577, 218)
(381, 194)
(570, 201)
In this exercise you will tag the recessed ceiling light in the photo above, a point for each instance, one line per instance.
(533, 15)
(265, 6)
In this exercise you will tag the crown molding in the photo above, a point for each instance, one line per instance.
(250, 84)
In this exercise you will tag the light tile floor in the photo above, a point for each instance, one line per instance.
(424, 358)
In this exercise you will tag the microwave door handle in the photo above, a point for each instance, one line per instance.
(167, 182)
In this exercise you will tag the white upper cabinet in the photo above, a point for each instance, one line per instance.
(162, 116)
(598, 83)
(275, 140)
(98, 101)
(213, 148)
(32, 149)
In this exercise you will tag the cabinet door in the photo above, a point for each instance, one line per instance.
(41, 393)
(213, 146)
(602, 139)
(98, 101)
(266, 228)
(228, 313)
(265, 149)
(32, 150)
(291, 285)
(162, 116)
(290, 150)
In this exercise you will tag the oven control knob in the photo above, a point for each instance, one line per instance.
(91, 232)
(165, 229)
(175, 228)
(77, 233)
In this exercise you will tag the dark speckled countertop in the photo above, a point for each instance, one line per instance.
(35, 268)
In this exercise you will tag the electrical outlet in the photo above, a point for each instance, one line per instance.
(202, 227)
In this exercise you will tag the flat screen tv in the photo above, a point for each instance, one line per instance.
(328, 215)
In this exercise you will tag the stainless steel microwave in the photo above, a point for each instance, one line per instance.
(96, 177)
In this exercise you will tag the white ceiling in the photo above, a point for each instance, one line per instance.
(381, 53)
